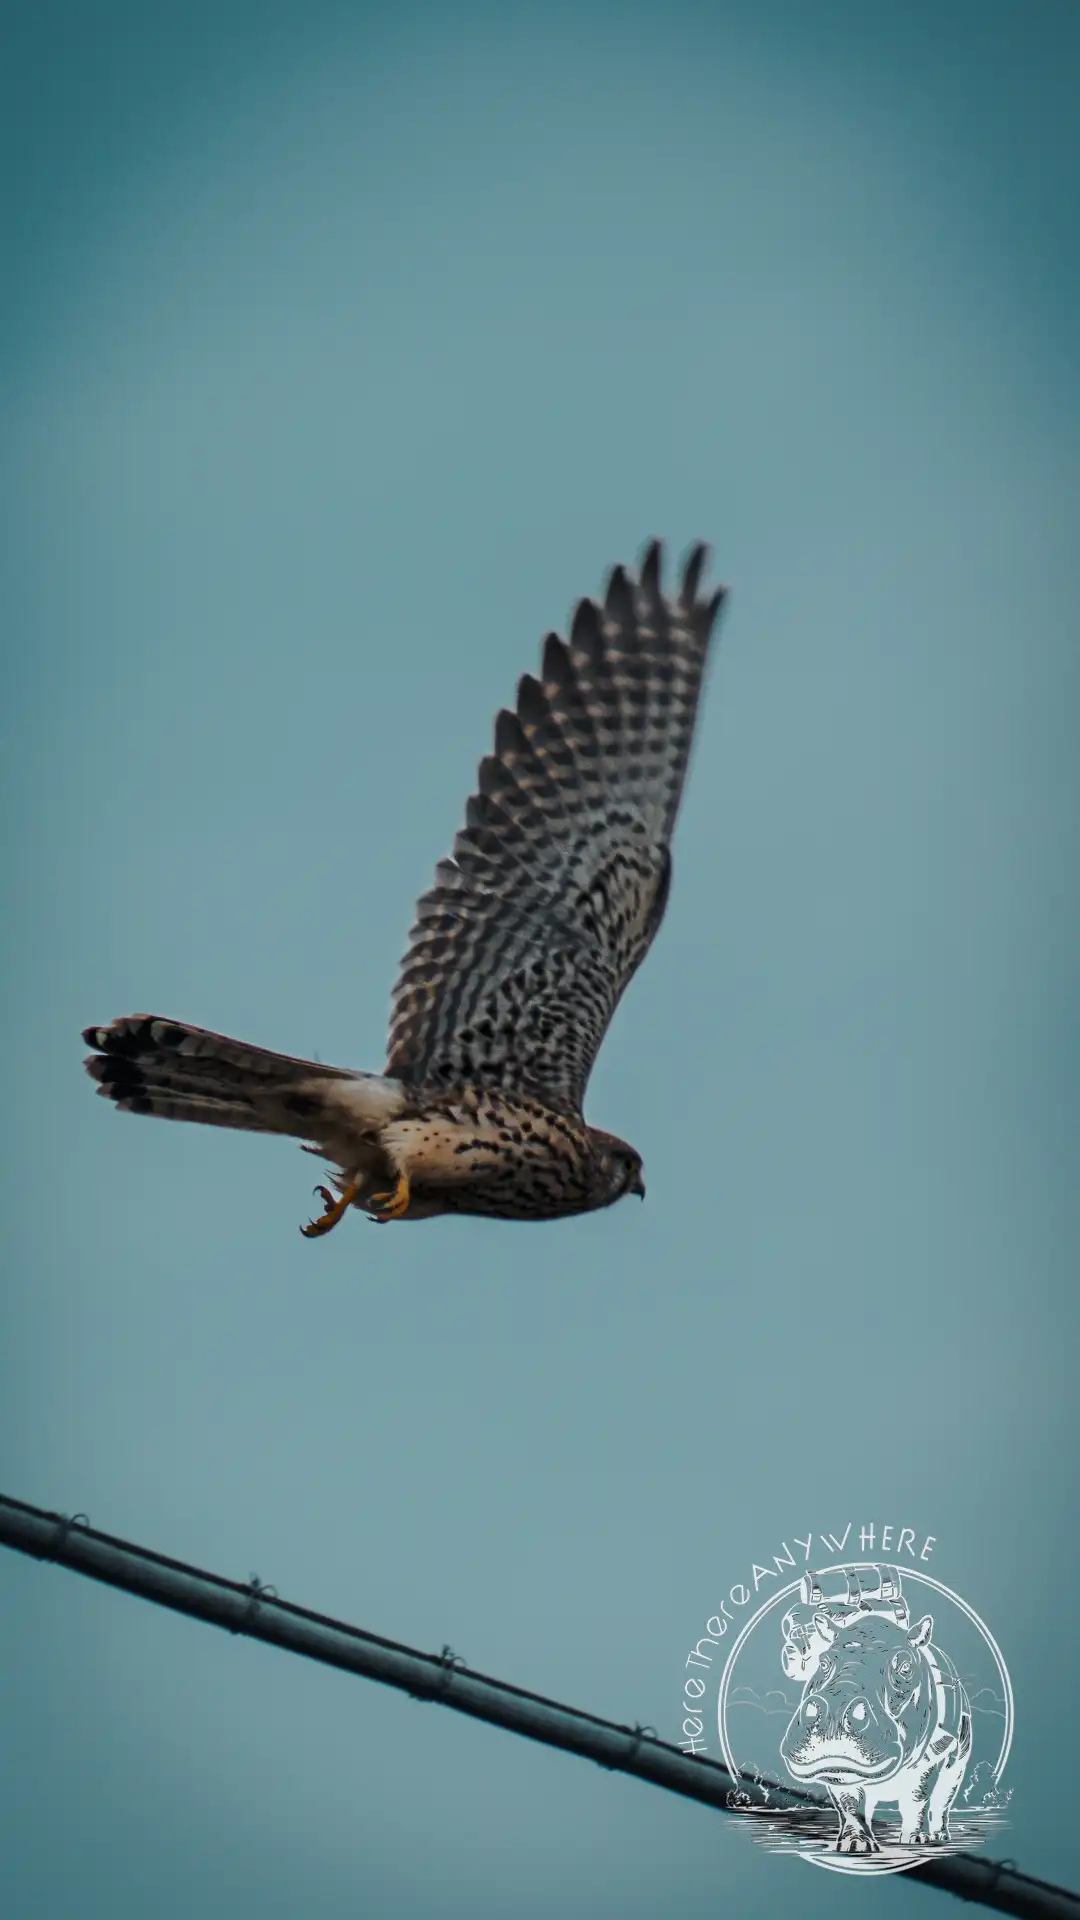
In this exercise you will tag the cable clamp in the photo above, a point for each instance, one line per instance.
(58, 1546)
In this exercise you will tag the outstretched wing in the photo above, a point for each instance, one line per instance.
(558, 882)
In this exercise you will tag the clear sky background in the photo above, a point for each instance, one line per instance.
(344, 347)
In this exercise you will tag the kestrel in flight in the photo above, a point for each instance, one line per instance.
(518, 958)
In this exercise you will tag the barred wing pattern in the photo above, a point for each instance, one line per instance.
(559, 879)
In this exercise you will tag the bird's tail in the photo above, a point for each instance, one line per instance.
(151, 1065)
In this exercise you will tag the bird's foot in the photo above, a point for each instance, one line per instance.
(334, 1210)
(390, 1206)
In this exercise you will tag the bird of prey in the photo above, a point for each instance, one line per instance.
(518, 958)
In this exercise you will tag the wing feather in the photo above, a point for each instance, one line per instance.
(559, 878)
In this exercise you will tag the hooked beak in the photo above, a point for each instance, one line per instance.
(637, 1186)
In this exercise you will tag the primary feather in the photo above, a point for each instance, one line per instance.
(560, 876)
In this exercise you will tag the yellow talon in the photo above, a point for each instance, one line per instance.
(390, 1206)
(334, 1210)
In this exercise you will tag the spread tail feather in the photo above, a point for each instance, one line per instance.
(147, 1064)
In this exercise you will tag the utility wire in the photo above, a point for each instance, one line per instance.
(256, 1611)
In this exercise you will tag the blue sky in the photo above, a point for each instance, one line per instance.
(350, 346)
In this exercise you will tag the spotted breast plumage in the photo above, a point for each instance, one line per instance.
(519, 955)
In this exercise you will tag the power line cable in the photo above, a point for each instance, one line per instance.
(256, 1611)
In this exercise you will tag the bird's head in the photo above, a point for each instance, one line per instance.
(619, 1164)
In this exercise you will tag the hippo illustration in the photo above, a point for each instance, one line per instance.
(883, 1716)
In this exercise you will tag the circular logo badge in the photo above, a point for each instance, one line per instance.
(868, 1715)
